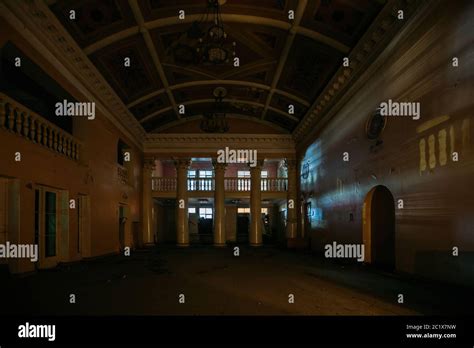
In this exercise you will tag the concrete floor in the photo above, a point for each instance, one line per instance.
(215, 282)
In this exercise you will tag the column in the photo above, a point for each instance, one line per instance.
(219, 204)
(182, 228)
(147, 217)
(292, 203)
(255, 236)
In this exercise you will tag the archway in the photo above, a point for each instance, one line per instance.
(379, 228)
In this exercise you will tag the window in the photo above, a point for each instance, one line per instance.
(50, 224)
(264, 181)
(205, 213)
(243, 173)
(192, 210)
(191, 180)
(200, 180)
(205, 182)
(205, 173)
(243, 181)
(247, 211)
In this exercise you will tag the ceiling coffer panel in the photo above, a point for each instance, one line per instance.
(133, 81)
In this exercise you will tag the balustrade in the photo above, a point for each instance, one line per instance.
(18, 119)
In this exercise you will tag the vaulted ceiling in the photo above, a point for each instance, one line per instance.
(282, 61)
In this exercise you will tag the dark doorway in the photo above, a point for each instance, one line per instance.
(379, 228)
(122, 221)
(242, 228)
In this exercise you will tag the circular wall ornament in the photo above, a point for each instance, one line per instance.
(375, 125)
(305, 171)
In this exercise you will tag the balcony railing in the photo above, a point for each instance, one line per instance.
(20, 120)
(237, 184)
(166, 184)
(200, 184)
(274, 184)
(163, 184)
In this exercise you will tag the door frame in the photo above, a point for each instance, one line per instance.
(44, 261)
(367, 228)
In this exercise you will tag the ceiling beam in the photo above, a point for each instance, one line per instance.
(219, 82)
(152, 49)
(226, 17)
(261, 65)
(190, 70)
(284, 55)
(225, 100)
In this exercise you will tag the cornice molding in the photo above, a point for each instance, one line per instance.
(38, 25)
(377, 37)
(206, 143)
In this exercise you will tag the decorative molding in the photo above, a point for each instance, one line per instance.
(209, 143)
(149, 163)
(39, 26)
(377, 37)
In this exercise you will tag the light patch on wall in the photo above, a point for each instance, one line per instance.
(431, 150)
(422, 155)
(431, 123)
(442, 147)
(466, 136)
(452, 139)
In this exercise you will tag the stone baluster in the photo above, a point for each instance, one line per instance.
(17, 121)
(3, 107)
(39, 134)
(56, 140)
(69, 147)
(26, 124)
(10, 117)
(50, 137)
(33, 129)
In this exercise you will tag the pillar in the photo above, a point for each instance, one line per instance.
(219, 204)
(255, 237)
(292, 203)
(147, 215)
(182, 228)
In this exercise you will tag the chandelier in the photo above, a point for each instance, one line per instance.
(215, 121)
(205, 41)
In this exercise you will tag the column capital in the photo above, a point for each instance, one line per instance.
(291, 163)
(218, 165)
(258, 164)
(182, 163)
(149, 163)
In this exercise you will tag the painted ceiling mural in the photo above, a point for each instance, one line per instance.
(278, 65)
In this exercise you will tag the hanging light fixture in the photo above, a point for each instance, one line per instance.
(215, 121)
(205, 41)
(213, 46)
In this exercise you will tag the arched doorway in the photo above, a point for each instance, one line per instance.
(379, 228)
